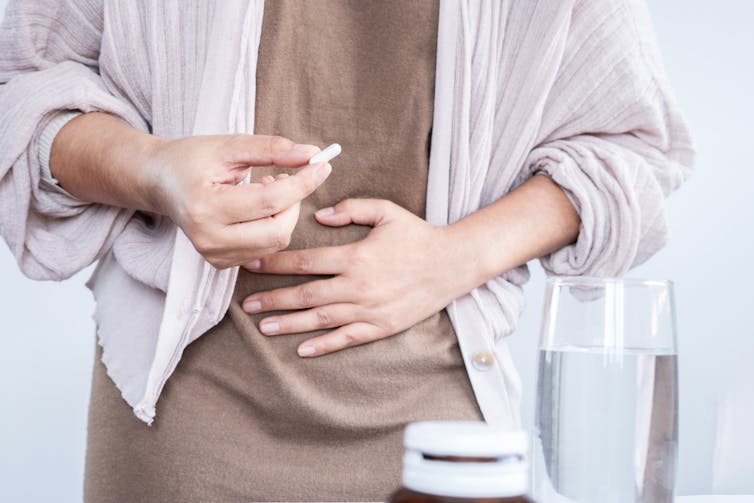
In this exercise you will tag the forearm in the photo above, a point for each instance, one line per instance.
(533, 220)
(101, 159)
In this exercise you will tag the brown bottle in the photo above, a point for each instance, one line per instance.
(463, 462)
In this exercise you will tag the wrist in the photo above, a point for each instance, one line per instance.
(149, 172)
(531, 221)
(479, 246)
(99, 158)
(464, 257)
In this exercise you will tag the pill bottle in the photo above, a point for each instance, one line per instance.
(461, 462)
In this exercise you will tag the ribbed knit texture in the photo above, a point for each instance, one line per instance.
(572, 89)
(44, 144)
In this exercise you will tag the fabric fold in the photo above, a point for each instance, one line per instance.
(50, 237)
(44, 150)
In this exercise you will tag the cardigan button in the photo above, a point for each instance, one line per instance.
(482, 360)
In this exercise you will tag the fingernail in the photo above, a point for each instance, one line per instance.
(254, 264)
(269, 327)
(306, 350)
(307, 149)
(324, 212)
(322, 172)
(252, 306)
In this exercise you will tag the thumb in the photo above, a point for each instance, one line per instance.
(372, 212)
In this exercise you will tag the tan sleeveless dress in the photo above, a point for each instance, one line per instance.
(243, 418)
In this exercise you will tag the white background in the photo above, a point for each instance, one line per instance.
(47, 336)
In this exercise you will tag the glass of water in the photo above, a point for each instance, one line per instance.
(606, 426)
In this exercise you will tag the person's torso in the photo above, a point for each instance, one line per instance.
(362, 75)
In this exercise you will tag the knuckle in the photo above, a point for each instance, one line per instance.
(298, 186)
(278, 143)
(268, 204)
(302, 264)
(391, 325)
(349, 339)
(345, 206)
(323, 318)
(269, 299)
(237, 147)
(306, 184)
(305, 295)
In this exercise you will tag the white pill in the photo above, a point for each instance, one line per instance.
(327, 154)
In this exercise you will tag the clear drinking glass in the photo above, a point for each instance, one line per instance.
(606, 426)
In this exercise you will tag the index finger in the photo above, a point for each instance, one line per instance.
(261, 150)
(326, 260)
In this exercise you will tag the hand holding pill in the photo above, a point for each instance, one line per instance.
(228, 222)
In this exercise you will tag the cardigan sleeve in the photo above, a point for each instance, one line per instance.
(44, 150)
(613, 139)
(49, 67)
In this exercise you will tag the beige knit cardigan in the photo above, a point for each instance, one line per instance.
(574, 89)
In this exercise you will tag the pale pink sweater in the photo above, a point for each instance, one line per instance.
(574, 89)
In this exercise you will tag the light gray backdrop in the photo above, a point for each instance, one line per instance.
(48, 336)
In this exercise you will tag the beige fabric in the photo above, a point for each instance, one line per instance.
(243, 417)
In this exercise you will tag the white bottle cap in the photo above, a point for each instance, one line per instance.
(505, 474)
